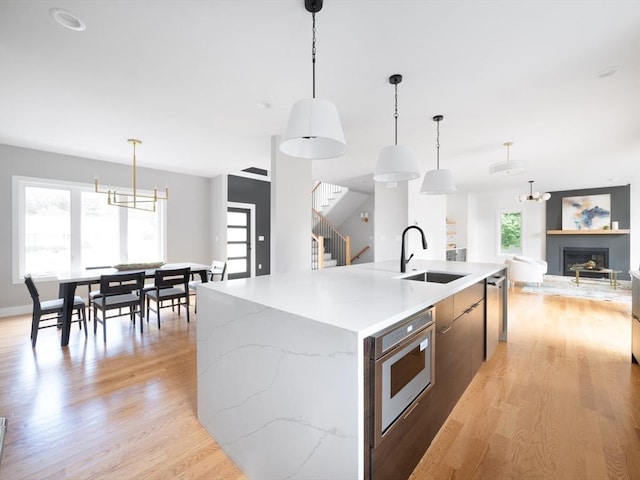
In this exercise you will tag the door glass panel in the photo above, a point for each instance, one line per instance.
(47, 230)
(237, 250)
(237, 219)
(237, 235)
(238, 265)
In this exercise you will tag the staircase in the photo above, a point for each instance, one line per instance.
(327, 260)
(329, 248)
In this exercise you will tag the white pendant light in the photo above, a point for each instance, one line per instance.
(533, 196)
(314, 130)
(396, 163)
(508, 167)
(438, 182)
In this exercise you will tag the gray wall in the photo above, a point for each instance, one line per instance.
(619, 245)
(188, 219)
(257, 192)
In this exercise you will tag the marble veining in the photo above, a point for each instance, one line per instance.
(280, 362)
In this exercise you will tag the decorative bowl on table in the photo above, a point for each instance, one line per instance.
(137, 266)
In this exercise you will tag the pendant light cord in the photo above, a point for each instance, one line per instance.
(313, 52)
(438, 144)
(395, 115)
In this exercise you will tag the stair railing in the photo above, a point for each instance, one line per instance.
(334, 242)
(322, 193)
(357, 255)
(317, 252)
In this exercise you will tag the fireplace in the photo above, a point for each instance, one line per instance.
(580, 255)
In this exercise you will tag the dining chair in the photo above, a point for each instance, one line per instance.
(218, 269)
(51, 310)
(169, 284)
(118, 291)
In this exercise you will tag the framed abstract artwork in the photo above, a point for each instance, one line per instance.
(588, 212)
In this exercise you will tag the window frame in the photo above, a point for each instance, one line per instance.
(19, 185)
(499, 214)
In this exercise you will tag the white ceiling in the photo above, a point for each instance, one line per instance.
(186, 77)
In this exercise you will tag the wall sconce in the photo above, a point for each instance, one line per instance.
(364, 217)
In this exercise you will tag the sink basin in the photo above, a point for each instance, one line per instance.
(435, 277)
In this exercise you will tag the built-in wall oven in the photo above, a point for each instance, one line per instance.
(402, 370)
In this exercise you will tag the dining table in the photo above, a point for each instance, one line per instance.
(71, 280)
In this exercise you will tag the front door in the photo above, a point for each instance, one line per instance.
(238, 242)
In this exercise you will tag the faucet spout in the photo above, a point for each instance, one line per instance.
(403, 259)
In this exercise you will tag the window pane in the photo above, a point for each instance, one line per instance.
(237, 219)
(144, 236)
(47, 228)
(237, 250)
(100, 230)
(236, 234)
(511, 232)
(236, 266)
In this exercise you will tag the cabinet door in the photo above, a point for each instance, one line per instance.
(400, 452)
(478, 341)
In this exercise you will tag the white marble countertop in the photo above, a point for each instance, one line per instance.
(635, 273)
(363, 298)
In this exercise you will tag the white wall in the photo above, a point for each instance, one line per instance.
(391, 219)
(482, 225)
(290, 211)
(457, 210)
(429, 213)
(218, 217)
(187, 210)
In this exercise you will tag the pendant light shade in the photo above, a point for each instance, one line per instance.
(396, 163)
(438, 182)
(314, 129)
(508, 167)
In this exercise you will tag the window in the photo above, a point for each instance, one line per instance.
(510, 232)
(61, 227)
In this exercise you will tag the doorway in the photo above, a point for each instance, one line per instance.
(239, 244)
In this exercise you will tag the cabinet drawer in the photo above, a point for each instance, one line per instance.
(467, 298)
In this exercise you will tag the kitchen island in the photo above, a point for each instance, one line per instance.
(281, 361)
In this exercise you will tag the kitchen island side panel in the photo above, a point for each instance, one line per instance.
(278, 392)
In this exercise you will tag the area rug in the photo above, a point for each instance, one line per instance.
(592, 288)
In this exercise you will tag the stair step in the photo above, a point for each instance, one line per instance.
(330, 263)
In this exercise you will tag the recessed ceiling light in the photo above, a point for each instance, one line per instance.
(607, 72)
(67, 19)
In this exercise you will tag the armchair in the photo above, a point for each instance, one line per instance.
(525, 270)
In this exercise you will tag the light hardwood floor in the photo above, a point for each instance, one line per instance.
(560, 400)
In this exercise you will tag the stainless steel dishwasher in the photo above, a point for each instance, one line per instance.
(496, 312)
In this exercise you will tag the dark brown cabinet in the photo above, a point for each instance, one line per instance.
(459, 350)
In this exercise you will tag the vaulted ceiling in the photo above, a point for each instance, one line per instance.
(205, 84)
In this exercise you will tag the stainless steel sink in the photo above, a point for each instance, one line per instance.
(435, 277)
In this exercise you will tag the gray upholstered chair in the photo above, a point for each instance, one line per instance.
(119, 291)
(51, 311)
(170, 285)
